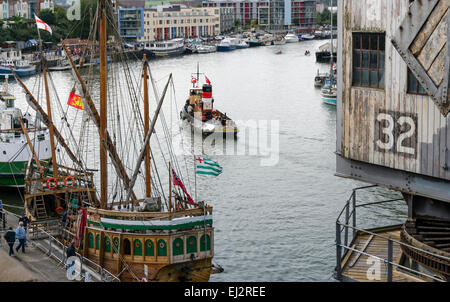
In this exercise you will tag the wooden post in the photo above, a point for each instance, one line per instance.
(30, 145)
(148, 186)
(119, 254)
(101, 249)
(103, 107)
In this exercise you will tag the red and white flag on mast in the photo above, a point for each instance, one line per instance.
(207, 80)
(42, 25)
(193, 79)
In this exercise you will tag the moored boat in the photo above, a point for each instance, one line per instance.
(206, 49)
(329, 93)
(22, 68)
(308, 37)
(226, 45)
(172, 47)
(15, 152)
(60, 66)
(291, 38)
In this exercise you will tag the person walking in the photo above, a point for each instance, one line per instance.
(21, 234)
(10, 237)
(25, 221)
(71, 250)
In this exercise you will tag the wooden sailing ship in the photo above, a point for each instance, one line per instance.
(152, 238)
(200, 113)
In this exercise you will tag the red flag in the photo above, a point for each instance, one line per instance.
(75, 101)
(177, 182)
(207, 80)
(193, 79)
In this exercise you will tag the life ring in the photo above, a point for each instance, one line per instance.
(55, 183)
(69, 181)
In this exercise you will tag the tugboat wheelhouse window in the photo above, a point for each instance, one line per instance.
(368, 59)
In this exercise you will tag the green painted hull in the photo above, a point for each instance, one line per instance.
(12, 174)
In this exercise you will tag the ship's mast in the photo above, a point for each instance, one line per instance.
(51, 128)
(148, 187)
(331, 57)
(103, 107)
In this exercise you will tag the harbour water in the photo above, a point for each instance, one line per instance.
(272, 223)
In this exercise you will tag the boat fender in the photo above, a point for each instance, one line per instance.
(69, 181)
(52, 183)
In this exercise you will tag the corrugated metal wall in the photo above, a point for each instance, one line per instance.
(424, 150)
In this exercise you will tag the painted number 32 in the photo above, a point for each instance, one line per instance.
(396, 133)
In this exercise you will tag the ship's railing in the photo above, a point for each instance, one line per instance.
(347, 223)
(148, 215)
(56, 250)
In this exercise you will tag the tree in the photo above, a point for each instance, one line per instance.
(48, 16)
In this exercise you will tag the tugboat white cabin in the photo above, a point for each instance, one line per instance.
(393, 130)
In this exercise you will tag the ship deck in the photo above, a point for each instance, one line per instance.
(358, 267)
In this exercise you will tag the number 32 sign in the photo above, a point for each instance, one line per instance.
(396, 132)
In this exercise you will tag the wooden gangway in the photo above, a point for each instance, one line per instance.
(364, 268)
(375, 254)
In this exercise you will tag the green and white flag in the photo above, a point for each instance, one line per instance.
(206, 166)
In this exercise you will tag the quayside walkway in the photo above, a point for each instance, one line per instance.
(44, 259)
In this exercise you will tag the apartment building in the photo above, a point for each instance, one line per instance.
(169, 22)
(271, 14)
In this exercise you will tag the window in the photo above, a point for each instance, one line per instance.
(414, 85)
(368, 60)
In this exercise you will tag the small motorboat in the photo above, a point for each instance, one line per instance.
(206, 49)
(291, 38)
(329, 93)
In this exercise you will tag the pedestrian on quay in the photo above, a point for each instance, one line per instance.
(10, 237)
(21, 235)
(25, 221)
(70, 252)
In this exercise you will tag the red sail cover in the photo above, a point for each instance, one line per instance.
(81, 225)
(75, 101)
(177, 182)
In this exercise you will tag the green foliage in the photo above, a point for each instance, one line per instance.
(324, 18)
(20, 29)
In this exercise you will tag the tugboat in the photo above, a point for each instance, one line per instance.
(14, 148)
(200, 113)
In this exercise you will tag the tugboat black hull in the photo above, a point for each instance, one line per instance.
(198, 126)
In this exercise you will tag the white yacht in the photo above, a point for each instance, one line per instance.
(291, 38)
